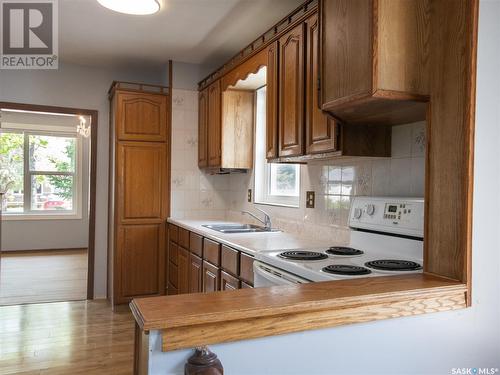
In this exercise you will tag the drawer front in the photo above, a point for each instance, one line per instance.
(173, 275)
(230, 260)
(184, 238)
(246, 268)
(211, 251)
(196, 244)
(173, 253)
(228, 282)
(173, 233)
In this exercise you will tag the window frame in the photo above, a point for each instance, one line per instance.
(28, 213)
(262, 170)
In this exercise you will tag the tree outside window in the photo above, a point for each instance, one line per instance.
(37, 172)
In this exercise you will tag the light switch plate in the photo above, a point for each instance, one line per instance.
(310, 198)
(249, 195)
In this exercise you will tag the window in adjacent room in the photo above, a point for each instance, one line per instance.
(275, 184)
(40, 168)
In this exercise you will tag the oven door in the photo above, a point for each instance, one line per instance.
(266, 275)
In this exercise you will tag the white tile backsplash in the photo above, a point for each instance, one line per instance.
(335, 182)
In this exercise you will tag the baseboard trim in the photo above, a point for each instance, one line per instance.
(29, 251)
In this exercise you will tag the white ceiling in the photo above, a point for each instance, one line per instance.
(194, 31)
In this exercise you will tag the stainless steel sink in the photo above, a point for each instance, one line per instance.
(238, 228)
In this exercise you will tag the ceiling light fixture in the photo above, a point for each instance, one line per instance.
(137, 7)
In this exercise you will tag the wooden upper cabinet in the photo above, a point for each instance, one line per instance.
(214, 125)
(272, 99)
(141, 117)
(141, 177)
(375, 60)
(203, 128)
(237, 129)
(321, 129)
(291, 93)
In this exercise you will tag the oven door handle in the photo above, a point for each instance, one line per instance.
(273, 274)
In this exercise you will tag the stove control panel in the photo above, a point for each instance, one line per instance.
(388, 215)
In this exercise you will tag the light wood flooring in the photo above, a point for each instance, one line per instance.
(74, 338)
(43, 276)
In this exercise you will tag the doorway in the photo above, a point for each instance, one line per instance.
(48, 179)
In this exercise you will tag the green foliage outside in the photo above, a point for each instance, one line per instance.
(64, 184)
(12, 164)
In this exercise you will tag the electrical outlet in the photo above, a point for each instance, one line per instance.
(310, 198)
(249, 195)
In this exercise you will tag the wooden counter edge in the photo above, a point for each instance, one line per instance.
(196, 326)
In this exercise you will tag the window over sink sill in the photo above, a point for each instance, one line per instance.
(274, 184)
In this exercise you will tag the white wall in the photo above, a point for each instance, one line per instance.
(426, 344)
(79, 87)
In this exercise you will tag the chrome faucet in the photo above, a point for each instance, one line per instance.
(267, 218)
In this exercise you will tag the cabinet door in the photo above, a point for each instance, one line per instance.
(246, 268)
(272, 94)
(211, 277)
(346, 49)
(203, 129)
(321, 129)
(139, 258)
(183, 271)
(291, 93)
(195, 274)
(214, 125)
(141, 117)
(141, 175)
(228, 282)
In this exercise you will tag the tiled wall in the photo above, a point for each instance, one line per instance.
(335, 182)
(194, 194)
(198, 195)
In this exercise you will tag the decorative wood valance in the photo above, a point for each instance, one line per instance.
(242, 71)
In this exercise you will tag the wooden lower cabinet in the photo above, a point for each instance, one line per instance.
(195, 274)
(140, 252)
(246, 268)
(211, 277)
(228, 282)
(183, 271)
(207, 266)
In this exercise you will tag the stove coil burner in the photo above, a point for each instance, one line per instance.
(303, 255)
(345, 251)
(347, 270)
(393, 265)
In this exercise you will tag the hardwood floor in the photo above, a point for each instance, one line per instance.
(66, 338)
(43, 276)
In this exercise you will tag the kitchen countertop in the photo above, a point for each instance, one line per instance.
(250, 243)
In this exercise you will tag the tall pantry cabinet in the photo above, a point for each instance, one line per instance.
(138, 190)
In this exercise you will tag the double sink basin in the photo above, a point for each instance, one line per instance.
(238, 228)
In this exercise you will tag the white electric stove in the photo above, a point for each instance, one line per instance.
(386, 239)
